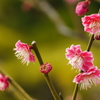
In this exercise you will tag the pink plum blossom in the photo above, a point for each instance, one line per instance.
(82, 8)
(89, 78)
(23, 52)
(78, 59)
(3, 82)
(91, 23)
(45, 68)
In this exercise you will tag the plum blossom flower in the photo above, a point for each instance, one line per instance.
(45, 68)
(78, 59)
(82, 8)
(23, 52)
(91, 23)
(89, 78)
(3, 82)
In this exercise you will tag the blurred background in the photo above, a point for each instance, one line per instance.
(54, 25)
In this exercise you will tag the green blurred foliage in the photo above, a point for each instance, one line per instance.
(16, 24)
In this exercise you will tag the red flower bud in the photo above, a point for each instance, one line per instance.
(82, 8)
(97, 37)
(45, 68)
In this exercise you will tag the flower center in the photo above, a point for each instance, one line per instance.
(95, 24)
(88, 81)
(1, 85)
(76, 62)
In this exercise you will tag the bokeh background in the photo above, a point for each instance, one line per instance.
(53, 32)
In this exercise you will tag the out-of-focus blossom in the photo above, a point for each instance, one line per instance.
(91, 23)
(26, 6)
(78, 59)
(89, 78)
(23, 52)
(71, 1)
(3, 82)
(45, 68)
(82, 8)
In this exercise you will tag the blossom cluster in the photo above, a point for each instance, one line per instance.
(83, 61)
(89, 74)
(80, 60)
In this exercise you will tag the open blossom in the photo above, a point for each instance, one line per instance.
(78, 59)
(82, 8)
(91, 23)
(89, 78)
(3, 82)
(45, 68)
(23, 52)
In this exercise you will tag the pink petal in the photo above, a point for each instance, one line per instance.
(88, 59)
(85, 53)
(88, 63)
(78, 78)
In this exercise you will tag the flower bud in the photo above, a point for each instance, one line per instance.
(97, 37)
(82, 8)
(45, 68)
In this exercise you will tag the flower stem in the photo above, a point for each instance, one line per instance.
(90, 42)
(75, 92)
(54, 93)
(16, 86)
(34, 47)
(47, 78)
(61, 96)
(19, 89)
(88, 49)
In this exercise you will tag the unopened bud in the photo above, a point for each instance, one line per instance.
(45, 68)
(97, 37)
(82, 8)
